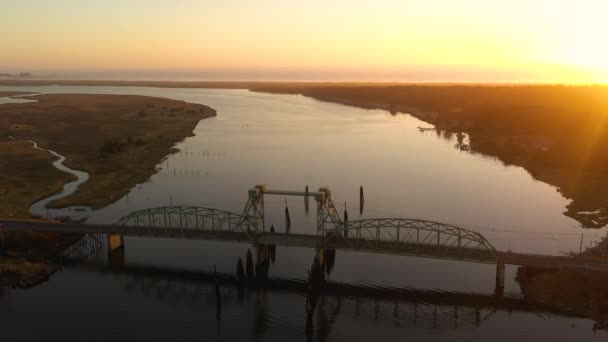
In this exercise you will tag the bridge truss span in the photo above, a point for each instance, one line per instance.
(382, 235)
(184, 219)
(403, 235)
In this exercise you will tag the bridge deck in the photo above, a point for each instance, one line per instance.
(312, 241)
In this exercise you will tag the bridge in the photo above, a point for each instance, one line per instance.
(398, 236)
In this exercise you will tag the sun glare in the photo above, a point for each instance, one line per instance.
(581, 40)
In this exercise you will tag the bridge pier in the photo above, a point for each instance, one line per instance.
(116, 251)
(262, 261)
(317, 271)
(499, 288)
(115, 242)
(330, 259)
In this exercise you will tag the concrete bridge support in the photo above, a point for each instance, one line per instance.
(116, 251)
(499, 289)
(317, 270)
(262, 261)
(330, 259)
(115, 242)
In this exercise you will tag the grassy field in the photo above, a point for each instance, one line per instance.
(118, 140)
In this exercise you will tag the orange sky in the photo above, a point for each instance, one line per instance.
(470, 40)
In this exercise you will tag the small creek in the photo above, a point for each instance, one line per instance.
(68, 188)
(39, 207)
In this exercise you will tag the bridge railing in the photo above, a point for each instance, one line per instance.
(403, 234)
(183, 218)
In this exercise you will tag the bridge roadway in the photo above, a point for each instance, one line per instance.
(312, 241)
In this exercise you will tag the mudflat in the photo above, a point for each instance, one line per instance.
(117, 139)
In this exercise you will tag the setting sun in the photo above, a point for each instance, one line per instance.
(580, 39)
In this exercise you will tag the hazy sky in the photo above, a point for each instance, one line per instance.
(410, 40)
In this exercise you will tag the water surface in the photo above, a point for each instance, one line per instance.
(287, 142)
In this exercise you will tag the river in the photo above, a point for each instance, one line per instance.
(288, 142)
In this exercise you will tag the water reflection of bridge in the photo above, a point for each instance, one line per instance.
(197, 286)
(407, 304)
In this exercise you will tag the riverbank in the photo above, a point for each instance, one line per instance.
(26, 258)
(118, 140)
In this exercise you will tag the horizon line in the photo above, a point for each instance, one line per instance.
(42, 81)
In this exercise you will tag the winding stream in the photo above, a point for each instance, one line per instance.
(39, 207)
(68, 188)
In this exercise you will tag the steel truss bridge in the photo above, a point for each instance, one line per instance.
(383, 235)
(399, 236)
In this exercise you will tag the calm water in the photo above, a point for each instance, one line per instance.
(288, 142)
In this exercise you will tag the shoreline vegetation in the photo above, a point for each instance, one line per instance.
(557, 133)
(118, 139)
(28, 259)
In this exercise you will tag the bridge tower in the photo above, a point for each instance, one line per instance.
(328, 219)
(253, 214)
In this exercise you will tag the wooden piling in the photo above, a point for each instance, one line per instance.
(361, 200)
(287, 219)
(306, 200)
(345, 221)
(218, 297)
(345, 213)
